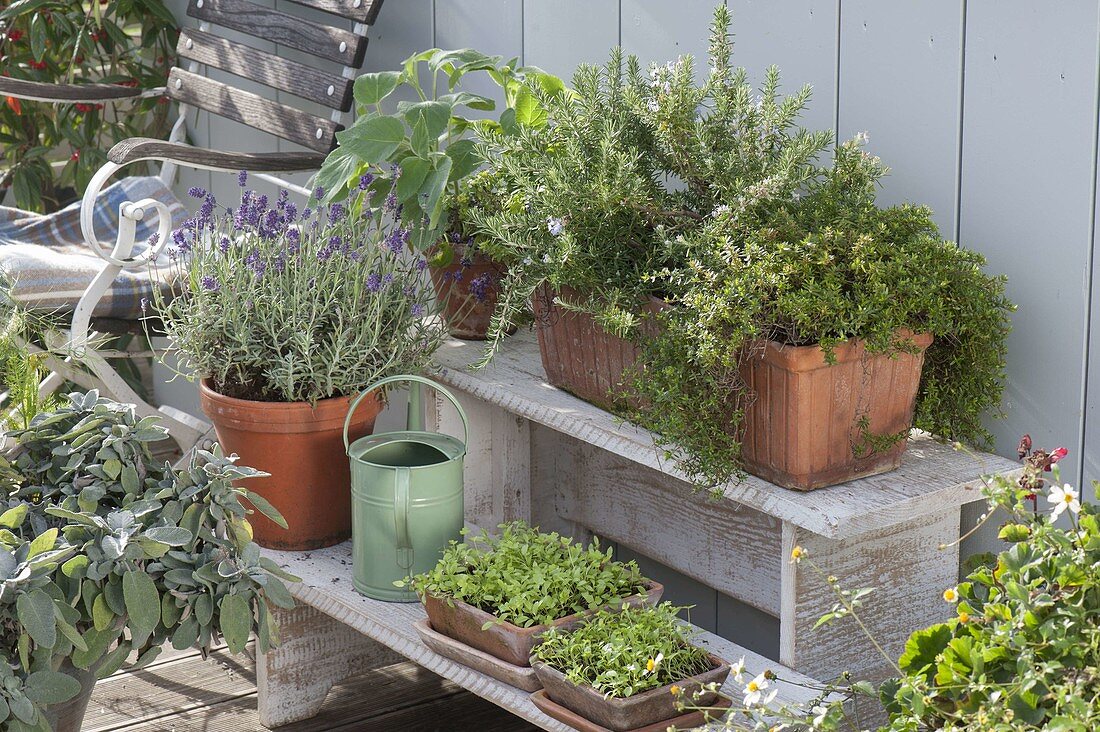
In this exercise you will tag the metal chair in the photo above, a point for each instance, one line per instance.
(206, 47)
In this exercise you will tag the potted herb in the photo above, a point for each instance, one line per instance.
(428, 142)
(285, 315)
(623, 671)
(585, 238)
(500, 594)
(106, 552)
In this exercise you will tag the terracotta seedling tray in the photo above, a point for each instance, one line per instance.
(638, 712)
(803, 428)
(521, 677)
(686, 721)
(509, 643)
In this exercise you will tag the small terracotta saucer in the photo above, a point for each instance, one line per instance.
(521, 677)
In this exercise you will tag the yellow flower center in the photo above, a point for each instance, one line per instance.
(964, 617)
(950, 595)
(1067, 498)
(796, 553)
(674, 689)
(650, 665)
(753, 686)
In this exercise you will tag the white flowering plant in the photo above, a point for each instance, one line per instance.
(273, 303)
(1021, 650)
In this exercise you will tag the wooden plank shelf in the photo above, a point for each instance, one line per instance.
(327, 587)
(932, 473)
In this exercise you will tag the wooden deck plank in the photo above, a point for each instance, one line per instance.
(933, 476)
(180, 684)
(399, 697)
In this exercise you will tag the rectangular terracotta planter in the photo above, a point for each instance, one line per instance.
(510, 643)
(632, 712)
(578, 355)
(803, 429)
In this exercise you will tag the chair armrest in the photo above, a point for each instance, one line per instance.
(41, 91)
(145, 148)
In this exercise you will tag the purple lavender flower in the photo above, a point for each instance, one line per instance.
(417, 310)
(335, 243)
(391, 203)
(284, 198)
(319, 192)
(307, 213)
(255, 263)
(223, 244)
(466, 261)
(554, 225)
(153, 239)
(365, 180)
(294, 239)
(290, 211)
(374, 282)
(387, 279)
(209, 283)
(181, 238)
(196, 192)
(421, 264)
(336, 212)
(479, 287)
(242, 178)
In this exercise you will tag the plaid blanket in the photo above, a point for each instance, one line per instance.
(49, 264)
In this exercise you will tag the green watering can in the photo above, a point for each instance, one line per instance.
(406, 492)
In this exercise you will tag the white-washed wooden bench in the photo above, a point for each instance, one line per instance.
(539, 454)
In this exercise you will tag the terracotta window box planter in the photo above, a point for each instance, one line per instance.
(813, 424)
(632, 712)
(510, 643)
(578, 355)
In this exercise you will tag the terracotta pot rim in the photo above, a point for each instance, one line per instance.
(811, 355)
(651, 587)
(261, 416)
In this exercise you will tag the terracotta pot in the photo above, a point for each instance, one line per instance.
(581, 357)
(621, 714)
(302, 448)
(510, 643)
(468, 288)
(68, 716)
(809, 423)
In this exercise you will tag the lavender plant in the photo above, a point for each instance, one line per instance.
(275, 304)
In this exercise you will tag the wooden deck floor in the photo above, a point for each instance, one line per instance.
(182, 692)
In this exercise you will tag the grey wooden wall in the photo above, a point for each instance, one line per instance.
(985, 109)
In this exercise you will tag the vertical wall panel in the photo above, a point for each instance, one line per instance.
(1027, 173)
(660, 31)
(798, 36)
(899, 81)
(490, 26)
(559, 35)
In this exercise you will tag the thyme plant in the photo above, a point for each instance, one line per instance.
(275, 304)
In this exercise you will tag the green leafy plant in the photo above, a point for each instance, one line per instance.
(625, 653)
(105, 553)
(529, 578)
(588, 209)
(1022, 650)
(426, 140)
(49, 152)
(273, 304)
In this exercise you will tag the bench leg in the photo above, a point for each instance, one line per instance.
(909, 573)
(315, 653)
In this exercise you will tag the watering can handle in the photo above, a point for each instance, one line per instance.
(409, 377)
(401, 518)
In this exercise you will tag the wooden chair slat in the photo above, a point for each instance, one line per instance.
(334, 44)
(253, 110)
(146, 148)
(361, 11)
(38, 90)
(331, 90)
